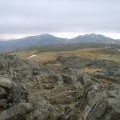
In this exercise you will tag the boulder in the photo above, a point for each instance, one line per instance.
(17, 112)
(5, 83)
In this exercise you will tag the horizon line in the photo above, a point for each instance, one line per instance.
(64, 35)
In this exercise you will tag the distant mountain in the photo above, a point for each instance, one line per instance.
(31, 41)
(93, 38)
(46, 39)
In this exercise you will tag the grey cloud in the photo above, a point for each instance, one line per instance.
(26, 16)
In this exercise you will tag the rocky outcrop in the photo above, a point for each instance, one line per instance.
(78, 89)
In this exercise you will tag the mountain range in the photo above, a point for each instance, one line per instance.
(47, 39)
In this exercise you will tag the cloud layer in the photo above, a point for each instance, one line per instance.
(50, 16)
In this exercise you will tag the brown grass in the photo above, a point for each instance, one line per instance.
(91, 70)
(91, 53)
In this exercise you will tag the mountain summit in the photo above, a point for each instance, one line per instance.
(93, 38)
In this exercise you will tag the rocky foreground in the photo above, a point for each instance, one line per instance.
(69, 88)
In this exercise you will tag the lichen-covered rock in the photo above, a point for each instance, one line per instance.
(43, 110)
(17, 112)
(5, 83)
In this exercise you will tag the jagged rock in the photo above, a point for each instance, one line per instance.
(99, 95)
(97, 111)
(17, 112)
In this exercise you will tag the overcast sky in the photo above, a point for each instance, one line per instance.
(65, 18)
